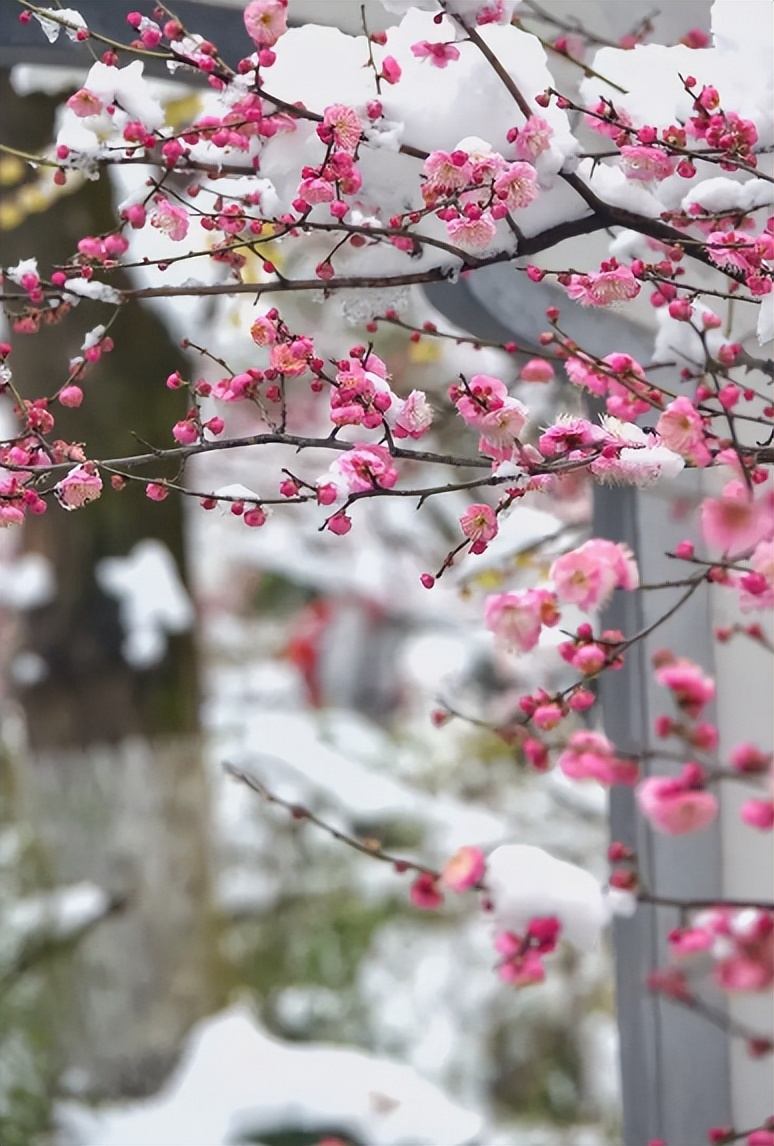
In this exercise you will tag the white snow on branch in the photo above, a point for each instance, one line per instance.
(52, 27)
(88, 288)
(526, 882)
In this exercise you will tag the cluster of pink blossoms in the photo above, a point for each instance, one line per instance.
(471, 190)
(362, 397)
(619, 379)
(739, 943)
(591, 756)
(485, 404)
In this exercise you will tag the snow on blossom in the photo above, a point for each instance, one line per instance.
(87, 288)
(525, 883)
(641, 459)
(128, 88)
(518, 618)
(680, 805)
(25, 274)
(65, 20)
(588, 575)
(80, 486)
(737, 520)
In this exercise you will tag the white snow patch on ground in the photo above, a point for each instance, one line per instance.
(268, 1084)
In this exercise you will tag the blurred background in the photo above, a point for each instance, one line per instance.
(181, 963)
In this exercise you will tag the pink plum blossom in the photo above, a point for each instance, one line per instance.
(691, 688)
(85, 103)
(569, 437)
(366, 467)
(646, 164)
(263, 331)
(734, 250)
(517, 618)
(503, 426)
(604, 288)
(759, 814)
(736, 521)
(391, 70)
(464, 870)
(472, 234)
(344, 124)
(479, 523)
(424, 892)
(413, 417)
(533, 139)
(169, 218)
(758, 594)
(80, 486)
(315, 190)
(291, 358)
(444, 175)
(537, 370)
(265, 21)
(339, 523)
(71, 396)
(482, 395)
(681, 428)
(677, 805)
(516, 186)
(439, 54)
(587, 576)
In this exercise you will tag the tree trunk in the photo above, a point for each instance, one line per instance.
(112, 784)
